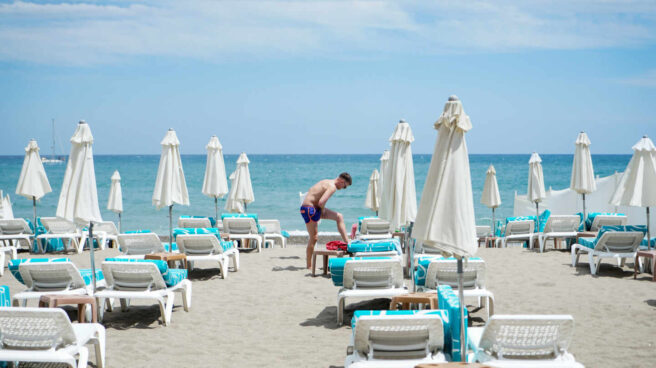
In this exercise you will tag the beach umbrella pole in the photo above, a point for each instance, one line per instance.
(584, 206)
(461, 297)
(494, 225)
(92, 256)
(648, 233)
(34, 208)
(171, 228)
(119, 222)
(216, 210)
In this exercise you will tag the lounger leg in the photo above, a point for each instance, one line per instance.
(593, 269)
(223, 266)
(124, 304)
(340, 310)
(186, 294)
(83, 357)
(99, 344)
(235, 260)
(166, 307)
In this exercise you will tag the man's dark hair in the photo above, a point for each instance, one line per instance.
(347, 177)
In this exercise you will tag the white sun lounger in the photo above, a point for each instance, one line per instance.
(559, 227)
(141, 280)
(620, 245)
(194, 222)
(396, 341)
(207, 247)
(445, 272)
(525, 341)
(368, 279)
(139, 244)
(58, 228)
(607, 220)
(104, 232)
(13, 232)
(375, 228)
(482, 233)
(47, 335)
(242, 228)
(273, 232)
(44, 278)
(518, 231)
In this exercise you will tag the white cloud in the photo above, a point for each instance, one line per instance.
(92, 32)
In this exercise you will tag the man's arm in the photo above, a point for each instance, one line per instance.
(326, 196)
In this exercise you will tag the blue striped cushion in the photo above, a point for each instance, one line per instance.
(374, 246)
(5, 299)
(448, 300)
(14, 263)
(591, 243)
(227, 245)
(588, 242)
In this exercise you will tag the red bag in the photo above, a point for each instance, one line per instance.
(336, 245)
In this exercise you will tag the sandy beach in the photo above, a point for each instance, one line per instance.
(273, 313)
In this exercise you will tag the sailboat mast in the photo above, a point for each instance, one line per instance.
(53, 139)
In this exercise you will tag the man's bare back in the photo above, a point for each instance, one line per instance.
(323, 188)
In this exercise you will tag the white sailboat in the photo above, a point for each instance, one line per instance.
(53, 159)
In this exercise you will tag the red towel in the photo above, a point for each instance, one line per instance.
(336, 245)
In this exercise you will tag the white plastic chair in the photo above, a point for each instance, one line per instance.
(141, 280)
(398, 341)
(272, 232)
(47, 335)
(525, 341)
(369, 279)
(206, 247)
(139, 244)
(620, 245)
(242, 228)
(559, 227)
(103, 231)
(518, 231)
(58, 228)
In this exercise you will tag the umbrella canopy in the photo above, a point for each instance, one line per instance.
(637, 187)
(215, 183)
(371, 200)
(115, 201)
(6, 212)
(384, 160)
(233, 205)
(78, 200)
(536, 192)
(491, 197)
(445, 219)
(583, 180)
(170, 185)
(241, 188)
(33, 182)
(398, 202)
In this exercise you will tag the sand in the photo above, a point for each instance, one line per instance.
(273, 313)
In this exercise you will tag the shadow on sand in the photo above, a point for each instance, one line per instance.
(328, 316)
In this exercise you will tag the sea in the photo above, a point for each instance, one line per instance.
(277, 181)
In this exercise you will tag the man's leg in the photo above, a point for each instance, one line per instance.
(337, 217)
(313, 236)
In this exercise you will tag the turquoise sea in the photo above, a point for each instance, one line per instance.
(277, 180)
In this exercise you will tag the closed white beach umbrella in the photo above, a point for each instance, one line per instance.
(491, 197)
(536, 192)
(637, 187)
(215, 184)
(6, 212)
(115, 201)
(445, 219)
(78, 200)
(384, 160)
(371, 199)
(33, 182)
(398, 203)
(583, 179)
(170, 186)
(241, 190)
(233, 205)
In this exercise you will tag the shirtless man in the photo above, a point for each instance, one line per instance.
(314, 208)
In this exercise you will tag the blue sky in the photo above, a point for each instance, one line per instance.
(329, 76)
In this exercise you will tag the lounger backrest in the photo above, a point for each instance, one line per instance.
(527, 336)
(375, 226)
(140, 243)
(483, 231)
(562, 224)
(620, 241)
(271, 226)
(133, 276)
(51, 276)
(35, 328)
(194, 222)
(239, 225)
(399, 337)
(198, 244)
(607, 220)
(14, 227)
(106, 226)
(56, 225)
(373, 274)
(445, 272)
(520, 227)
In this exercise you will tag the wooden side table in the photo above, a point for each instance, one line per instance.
(647, 254)
(170, 258)
(325, 253)
(55, 300)
(491, 241)
(414, 298)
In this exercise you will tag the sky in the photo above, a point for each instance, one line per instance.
(326, 76)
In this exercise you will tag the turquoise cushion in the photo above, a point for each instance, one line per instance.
(167, 246)
(51, 245)
(138, 232)
(212, 219)
(5, 299)
(284, 233)
(336, 267)
(374, 246)
(591, 243)
(444, 314)
(447, 299)
(171, 276)
(588, 242)
(227, 245)
(84, 272)
(192, 230)
(591, 216)
(652, 243)
(544, 216)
